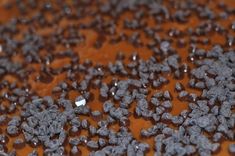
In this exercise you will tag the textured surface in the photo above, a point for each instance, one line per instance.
(161, 76)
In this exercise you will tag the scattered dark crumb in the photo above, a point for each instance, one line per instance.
(86, 98)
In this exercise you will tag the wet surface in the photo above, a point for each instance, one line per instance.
(43, 75)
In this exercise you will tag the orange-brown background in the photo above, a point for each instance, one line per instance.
(106, 54)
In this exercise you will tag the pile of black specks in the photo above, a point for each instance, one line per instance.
(41, 33)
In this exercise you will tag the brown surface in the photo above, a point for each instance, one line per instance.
(106, 54)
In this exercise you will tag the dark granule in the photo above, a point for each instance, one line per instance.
(75, 151)
(62, 95)
(34, 153)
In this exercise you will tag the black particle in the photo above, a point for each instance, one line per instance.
(3, 119)
(93, 144)
(74, 141)
(102, 142)
(107, 106)
(75, 151)
(92, 130)
(128, 88)
(12, 153)
(3, 153)
(179, 87)
(3, 139)
(96, 115)
(34, 153)
(12, 130)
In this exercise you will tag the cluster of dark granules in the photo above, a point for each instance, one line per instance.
(59, 98)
